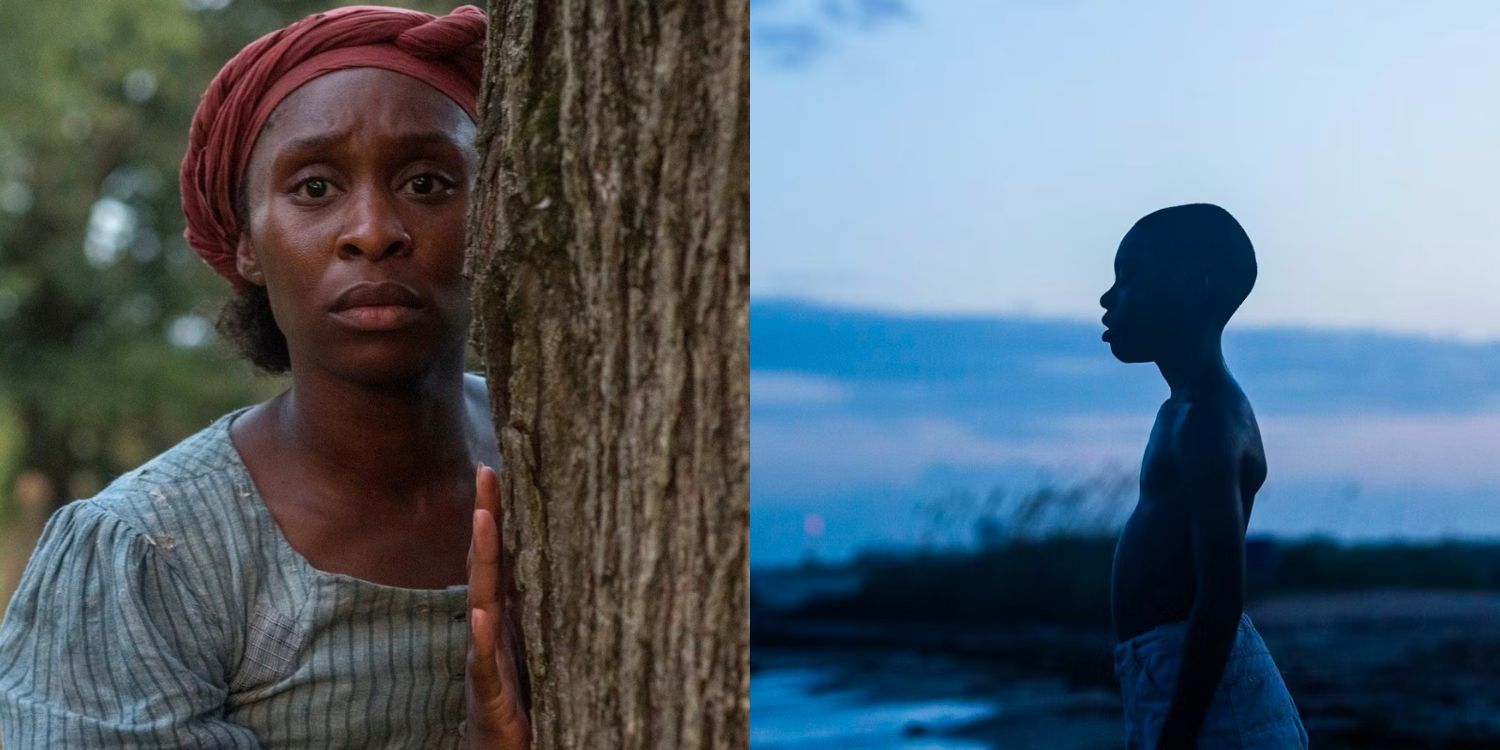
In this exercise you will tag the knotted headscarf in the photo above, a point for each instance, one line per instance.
(445, 52)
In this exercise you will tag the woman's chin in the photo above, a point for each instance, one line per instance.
(385, 363)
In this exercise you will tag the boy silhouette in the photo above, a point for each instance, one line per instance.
(1192, 669)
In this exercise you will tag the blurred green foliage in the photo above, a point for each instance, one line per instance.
(107, 353)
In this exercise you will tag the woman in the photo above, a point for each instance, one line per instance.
(323, 569)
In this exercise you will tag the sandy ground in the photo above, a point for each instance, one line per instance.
(1392, 668)
(1370, 670)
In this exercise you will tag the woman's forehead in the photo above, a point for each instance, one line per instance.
(363, 105)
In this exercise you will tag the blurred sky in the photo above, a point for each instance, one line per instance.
(938, 186)
(860, 421)
(972, 156)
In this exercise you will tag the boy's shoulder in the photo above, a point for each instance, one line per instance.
(1211, 432)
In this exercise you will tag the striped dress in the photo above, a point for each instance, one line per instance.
(170, 611)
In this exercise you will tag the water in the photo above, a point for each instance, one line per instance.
(798, 709)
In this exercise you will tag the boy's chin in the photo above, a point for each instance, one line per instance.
(1126, 354)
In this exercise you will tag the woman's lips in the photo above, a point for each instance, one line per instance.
(379, 317)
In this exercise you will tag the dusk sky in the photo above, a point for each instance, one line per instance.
(861, 418)
(987, 157)
(943, 184)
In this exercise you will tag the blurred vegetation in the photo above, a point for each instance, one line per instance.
(1060, 579)
(1043, 557)
(1093, 505)
(1324, 565)
(107, 350)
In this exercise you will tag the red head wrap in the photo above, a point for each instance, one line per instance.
(445, 52)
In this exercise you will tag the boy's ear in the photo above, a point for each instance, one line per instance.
(1205, 288)
(246, 263)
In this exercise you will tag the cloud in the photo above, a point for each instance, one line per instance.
(866, 414)
(788, 45)
(777, 389)
(841, 452)
(1007, 368)
(865, 14)
(1433, 450)
(793, 35)
(838, 452)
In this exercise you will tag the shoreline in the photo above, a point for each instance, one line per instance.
(1368, 669)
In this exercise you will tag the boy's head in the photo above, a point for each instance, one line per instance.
(1180, 273)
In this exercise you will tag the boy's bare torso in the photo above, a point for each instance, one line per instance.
(1153, 581)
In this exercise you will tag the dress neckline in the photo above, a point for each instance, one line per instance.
(247, 492)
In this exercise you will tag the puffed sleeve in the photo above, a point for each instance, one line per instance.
(105, 644)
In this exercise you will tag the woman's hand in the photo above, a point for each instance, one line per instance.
(492, 689)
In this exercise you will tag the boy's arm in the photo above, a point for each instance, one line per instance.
(1209, 455)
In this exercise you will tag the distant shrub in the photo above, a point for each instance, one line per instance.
(1044, 556)
(1094, 505)
(1064, 579)
(1057, 579)
(1323, 565)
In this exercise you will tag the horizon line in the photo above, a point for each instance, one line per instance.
(999, 315)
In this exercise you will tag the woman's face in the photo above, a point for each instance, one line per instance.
(356, 192)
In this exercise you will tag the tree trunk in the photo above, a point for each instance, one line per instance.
(611, 278)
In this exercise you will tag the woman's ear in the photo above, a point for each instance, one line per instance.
(246, 263)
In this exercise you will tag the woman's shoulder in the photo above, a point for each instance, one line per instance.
(185, 501)
(477, 396)
(476, 388)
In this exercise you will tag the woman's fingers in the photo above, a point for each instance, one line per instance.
(484, 566)
(484, 670)
(493, 681)
(484, 547)
(487, 497)
(487, 555)
(487, 489)
(494, 713)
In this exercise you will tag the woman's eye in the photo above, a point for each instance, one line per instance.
(428, 184)
(314, 188)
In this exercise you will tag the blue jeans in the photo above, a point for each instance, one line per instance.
(1250, 709)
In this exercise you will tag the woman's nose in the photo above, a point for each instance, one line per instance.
(372, 226)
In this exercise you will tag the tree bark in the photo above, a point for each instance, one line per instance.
(611, 258)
